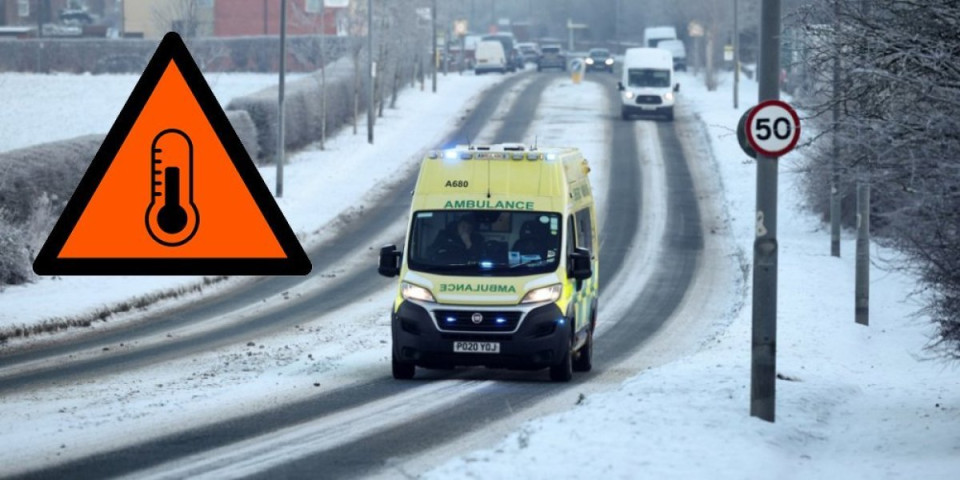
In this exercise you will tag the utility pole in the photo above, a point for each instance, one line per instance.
(862, 289)
(39, 18)
(834, 174)
(736, 54)
(616, 23)
(763, 372)
(862, 280)
(281, 144)
(323, 75)
(371, 73)
(433, 31)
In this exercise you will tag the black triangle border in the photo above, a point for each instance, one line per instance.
(172, 48)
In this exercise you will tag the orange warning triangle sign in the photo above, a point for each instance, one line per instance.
(172, 191)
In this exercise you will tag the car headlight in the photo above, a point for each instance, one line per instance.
(410, 291)
(628, 94)
(543, 294)
(608, 61)
(589, 61)
(668, 96)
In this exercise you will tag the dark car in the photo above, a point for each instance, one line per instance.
(599, 59)
(529, 51)
(551, 56)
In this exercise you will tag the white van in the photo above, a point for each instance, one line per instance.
(679, 52)
(652, 36)
(490, 57)
(647, 84)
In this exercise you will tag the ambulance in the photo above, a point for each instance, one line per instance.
(499, 265)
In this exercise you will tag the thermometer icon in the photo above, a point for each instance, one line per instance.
(172, 217)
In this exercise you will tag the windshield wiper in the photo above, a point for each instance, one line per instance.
(528, 262)
(449, 266)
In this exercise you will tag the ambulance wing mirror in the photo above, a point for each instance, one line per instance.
(620, 86)
(676, 87)
(579, 265)
(389, 261)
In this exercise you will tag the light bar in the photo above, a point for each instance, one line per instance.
(462, 153)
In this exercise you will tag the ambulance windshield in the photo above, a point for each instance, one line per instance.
(485, 242)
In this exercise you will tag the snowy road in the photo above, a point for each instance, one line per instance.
(361, 421)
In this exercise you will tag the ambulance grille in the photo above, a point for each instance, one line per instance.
(462, 321)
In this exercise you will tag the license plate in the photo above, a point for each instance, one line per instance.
(476, 347)
(648, 108)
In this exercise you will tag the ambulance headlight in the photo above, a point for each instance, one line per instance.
(628, 94)
(410, 291)
(589, 61)
(544, 294)
(608, 61)
(668, 96)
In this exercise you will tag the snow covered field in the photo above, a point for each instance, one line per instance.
(854, 403)
(40, 108)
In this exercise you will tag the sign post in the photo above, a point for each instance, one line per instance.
(460, 30)
(696, 32)
(761, 133)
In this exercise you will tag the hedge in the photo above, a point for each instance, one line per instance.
(302, 108)
(102, 55)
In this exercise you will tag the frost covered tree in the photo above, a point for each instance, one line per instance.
(189, 18)
(397, 42)
(898, 126)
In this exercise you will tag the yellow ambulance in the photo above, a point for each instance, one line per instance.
(500, 263)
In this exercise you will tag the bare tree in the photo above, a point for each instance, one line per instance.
(189, 18)
(313, 52)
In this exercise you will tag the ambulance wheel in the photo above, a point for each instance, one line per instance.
(401, 370)
(624, 115)
(669, 115)
(563, 371)
(584, 360)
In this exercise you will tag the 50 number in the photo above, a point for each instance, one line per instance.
(781, 128)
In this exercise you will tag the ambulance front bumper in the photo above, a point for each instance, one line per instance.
(530, 337)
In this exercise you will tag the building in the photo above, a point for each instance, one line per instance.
(190, 18)
(154, 18)
(262, 17)
(231, 18)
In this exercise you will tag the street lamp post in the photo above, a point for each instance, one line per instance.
(281, 120)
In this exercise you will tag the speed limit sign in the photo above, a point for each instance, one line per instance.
(773, 128)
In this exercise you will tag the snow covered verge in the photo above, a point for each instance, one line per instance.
(318, 185)
(852, 401)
